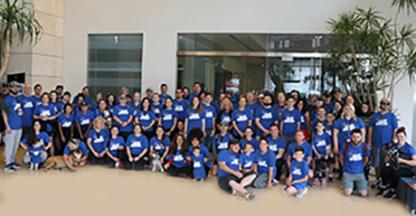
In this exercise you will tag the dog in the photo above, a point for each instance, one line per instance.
(156, 165)
(58, 163)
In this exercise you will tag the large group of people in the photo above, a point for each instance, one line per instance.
(252, 140)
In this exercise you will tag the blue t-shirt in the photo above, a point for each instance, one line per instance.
(194, 119)
(28, 106)
(290, 120)
(135, 106)
(253, 107)
(45, 111)
(321, 142)
(85, 119)
(354, 158)
(209, 115)
(306, 148)
(115, 144)
(158, 145)
(247, 161)
(265, 162)
(345, 128)
(66, 121)
(145, 118)
(224, 118)
(407, 149)
(383, 128)
(203, 150)
(242, 118)
(82, 147)
(137, 144)
(198, 167)
(44, 138)
(123, 112)
(179, 160)
(299, 170)
(267, 116)
(276, 144)
(14, 117)
(168, 117)
(221, 142)
(99, 139)
(36, 153)
(231, 160)
(156, 109)
(180, 107)
(254, 142)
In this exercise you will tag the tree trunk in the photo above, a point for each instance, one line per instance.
(5, 56)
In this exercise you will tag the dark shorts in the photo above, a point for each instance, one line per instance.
(224, 182)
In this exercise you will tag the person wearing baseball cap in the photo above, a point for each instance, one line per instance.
(74, 145)
(13, 127)
(230, 179)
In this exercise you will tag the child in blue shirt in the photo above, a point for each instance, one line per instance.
(198, 162)
(36, 151)
(321, 145)
(297, 182)
(249, 138)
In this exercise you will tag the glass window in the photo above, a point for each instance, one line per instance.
(114, 61)
(247, 62)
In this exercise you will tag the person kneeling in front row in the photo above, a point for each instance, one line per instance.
(230, 178)
(354, 158)
(404, 166)
(73, 146)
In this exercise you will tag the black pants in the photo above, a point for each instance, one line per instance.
(125, 135)
(185, 172)
(60, 144)
(320, 168)
(280, 168)
(97, 161)
(135, 165)
(391, 176)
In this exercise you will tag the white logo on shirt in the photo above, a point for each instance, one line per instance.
(321, 143)
(289, 119)
(273, 147)
(234, 161)
(197, 164)
(67, 124)
(223, 145)
(168, 117)
(297, 171)
(144, 117)
(209, 115)
(267, 115)
(28, 105)
(123, 112)
(114, 147)
(136, 144)
(382, 122)
(178, 158)
(45, 113)
(178, 108)
(194, 116)
(356, 157)
(99, 139)
(85, 121)
(242, 118)
(262, 163)
(348, 127)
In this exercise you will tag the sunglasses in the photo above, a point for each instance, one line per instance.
(384, 103)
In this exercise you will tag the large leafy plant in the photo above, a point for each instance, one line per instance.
(374, 53)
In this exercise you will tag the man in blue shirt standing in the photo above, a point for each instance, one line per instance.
(354, 158)
(230, 178)
(383, 126)
(13, 125)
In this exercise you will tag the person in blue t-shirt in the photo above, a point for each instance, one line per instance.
(176, 164)
(224, 112)
(45, 112)
(156, 106)
(222, 139)
(242, 118)
(344, 126)
(209, 116)
(123, 117)
(135, 103)
(36, 151)
(35, 133)
(265, 166)
(137, 148)
(248, 159)
(403, 166)
(265, 116)
(198, 164)
(321, 145)
(290, 120)
(230, 179)
(75, 145)
(297, 181)
(115, 148)
(84, 120)
(65, 128)
(180, 105)
(278, 146)
(354, 158)
(168, 118)
(28, 106)
(195, 116)
(249, 138)
(97, 141)
(146, 118)
(103, 111)
(299, 141)
(381, 132)
(159, 144)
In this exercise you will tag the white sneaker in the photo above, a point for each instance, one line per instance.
(117, 165)
(234, 193)
(302, 193)
(9, 169)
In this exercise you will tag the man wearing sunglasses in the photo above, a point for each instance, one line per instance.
(381, 132)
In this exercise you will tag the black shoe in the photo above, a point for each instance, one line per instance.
(381, 192)
(390, 195)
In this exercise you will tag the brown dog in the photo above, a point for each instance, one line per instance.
(58, 163)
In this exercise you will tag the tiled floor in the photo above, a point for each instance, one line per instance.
(104, 191)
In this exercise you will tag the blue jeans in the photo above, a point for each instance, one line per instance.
(349, 180)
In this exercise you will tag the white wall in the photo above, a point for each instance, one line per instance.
(161, 20)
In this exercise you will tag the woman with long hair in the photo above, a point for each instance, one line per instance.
(176, 164)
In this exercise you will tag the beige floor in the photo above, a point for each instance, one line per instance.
(103, 191)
